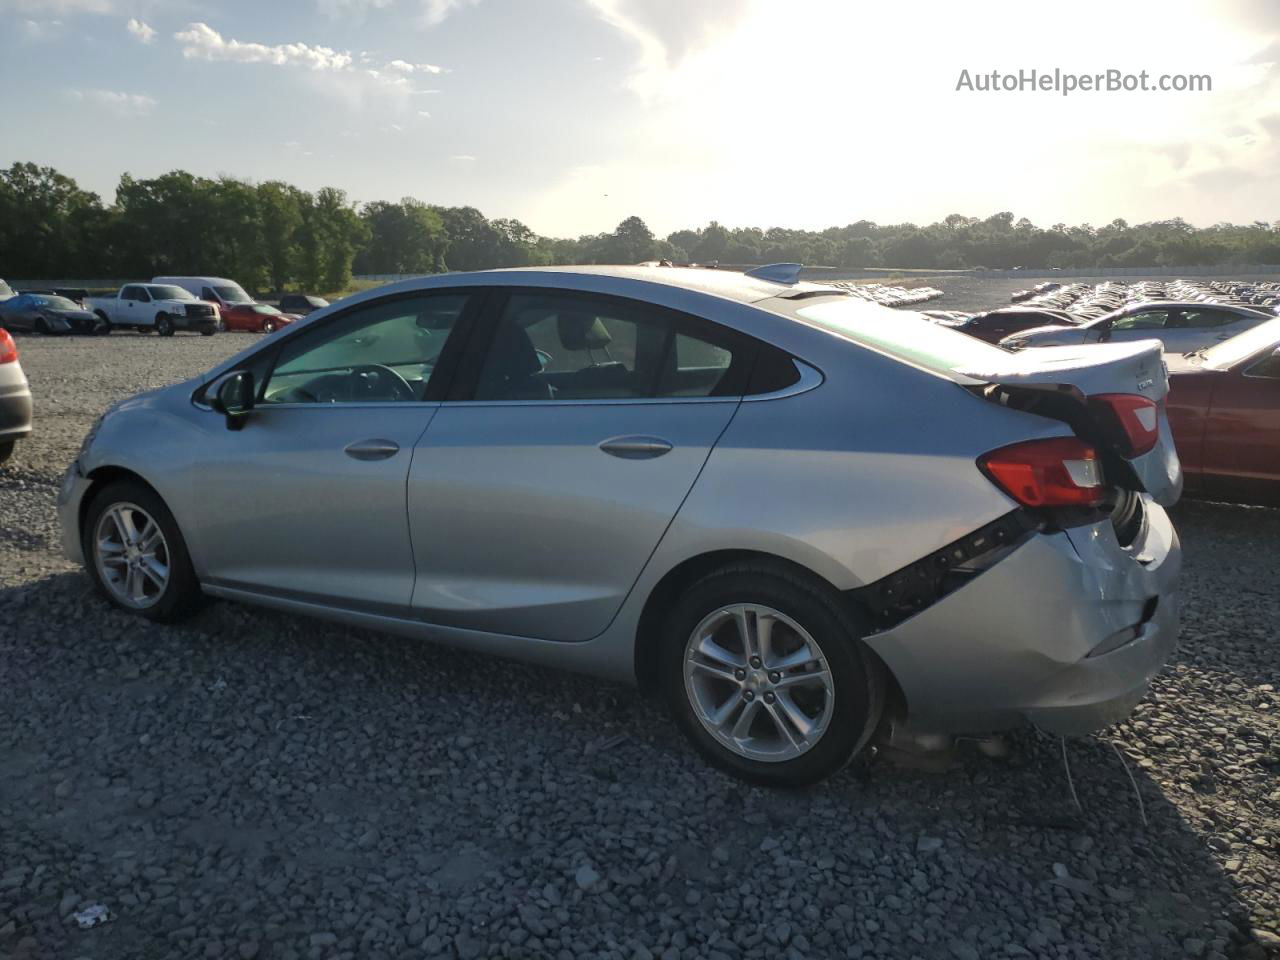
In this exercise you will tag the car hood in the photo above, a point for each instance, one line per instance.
(73, 314)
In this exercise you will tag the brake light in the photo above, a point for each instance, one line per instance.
(1134, 421)
(8, 349)
(1058, 472)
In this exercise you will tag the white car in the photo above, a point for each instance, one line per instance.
(1183, 326)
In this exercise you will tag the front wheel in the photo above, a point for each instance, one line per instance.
(42, 326)
(268, 327)
(766, 673)
(136, 556)
(164, 325)
(6, 449)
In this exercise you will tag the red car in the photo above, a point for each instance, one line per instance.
(255, 317)
(1224, 408)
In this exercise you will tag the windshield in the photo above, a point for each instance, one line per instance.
(265, 308)
(907, 336)
(166, 292)
(55, 303)
(1230, 352)
(232, 293)
(6, 291)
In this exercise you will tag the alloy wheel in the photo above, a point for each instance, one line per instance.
(758, 682)
(131, 555)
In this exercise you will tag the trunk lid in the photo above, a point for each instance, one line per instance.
(1060, 381)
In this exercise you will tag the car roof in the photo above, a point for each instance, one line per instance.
(729, 284)
(176, 279)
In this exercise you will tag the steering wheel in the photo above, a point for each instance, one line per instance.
(374, 381)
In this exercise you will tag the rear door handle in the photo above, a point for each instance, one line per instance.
(635, 448)
(372, 449)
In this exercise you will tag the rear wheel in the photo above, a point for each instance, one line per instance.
(164, 326)
(135, 554)
(766, 674)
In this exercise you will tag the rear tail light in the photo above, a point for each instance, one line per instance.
(1058, 472)
(8, 349)
(1133, 422)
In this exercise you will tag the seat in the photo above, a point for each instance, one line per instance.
(513, 371)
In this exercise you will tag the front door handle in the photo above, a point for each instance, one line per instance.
(372, 449)
(635, 448)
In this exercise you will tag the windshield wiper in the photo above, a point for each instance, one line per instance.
(1196, 353)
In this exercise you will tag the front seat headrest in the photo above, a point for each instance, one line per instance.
(582, 331)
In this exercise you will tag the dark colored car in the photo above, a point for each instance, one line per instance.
(301, 303)
(1224, 409)
(255, 317)
(994, 325)
(45, 313)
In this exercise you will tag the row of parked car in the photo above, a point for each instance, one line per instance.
(1221, 346)
(166, 305)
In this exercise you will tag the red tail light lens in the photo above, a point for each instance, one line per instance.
(1134, 421)
(8, 349)
(1058, 472)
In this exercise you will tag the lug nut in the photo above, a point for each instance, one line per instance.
(775, 676)
(740, 674)
(748, 695)
(755, 663)
(769, 698)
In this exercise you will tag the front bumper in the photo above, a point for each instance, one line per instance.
(198, 324)
(1065, 633)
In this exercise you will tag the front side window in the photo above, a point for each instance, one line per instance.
(131, 293)
(566, 346)
(1148, 320)
(378, 353)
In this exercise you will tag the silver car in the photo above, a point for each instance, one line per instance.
(1182, 327)
(801, 517)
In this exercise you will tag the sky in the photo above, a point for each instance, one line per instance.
(571, 115)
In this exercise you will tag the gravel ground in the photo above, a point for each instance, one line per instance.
(255, 785)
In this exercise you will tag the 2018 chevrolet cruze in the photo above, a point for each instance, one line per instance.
(794, 513)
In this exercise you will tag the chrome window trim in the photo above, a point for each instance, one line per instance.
(810, 377)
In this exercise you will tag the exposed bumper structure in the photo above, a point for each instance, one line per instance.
(1066, 633)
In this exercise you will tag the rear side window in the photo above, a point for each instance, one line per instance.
(1201, 319)
(567, 346)
(1148, 320)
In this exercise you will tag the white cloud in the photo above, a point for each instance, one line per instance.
(433, 12)
(401, 66)
(462, 157)
(201, 42)
(424, 113)
(116, 102)
(140, 30)
(336, 72)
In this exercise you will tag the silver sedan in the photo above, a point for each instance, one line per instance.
(800, 517)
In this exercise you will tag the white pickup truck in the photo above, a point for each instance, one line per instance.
(154, 306)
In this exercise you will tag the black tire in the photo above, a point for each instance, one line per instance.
(164, 326)
(208, 332)
(268, 327)
(42, 326)
(857, 677)
(6, 449)
(181, 596)
(103, 327)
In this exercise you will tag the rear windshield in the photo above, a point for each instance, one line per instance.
(907, 336)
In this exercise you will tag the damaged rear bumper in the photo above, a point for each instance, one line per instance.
(1065, 632)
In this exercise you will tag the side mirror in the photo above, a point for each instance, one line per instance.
(232, 395)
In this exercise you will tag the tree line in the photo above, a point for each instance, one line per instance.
(275, 236)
